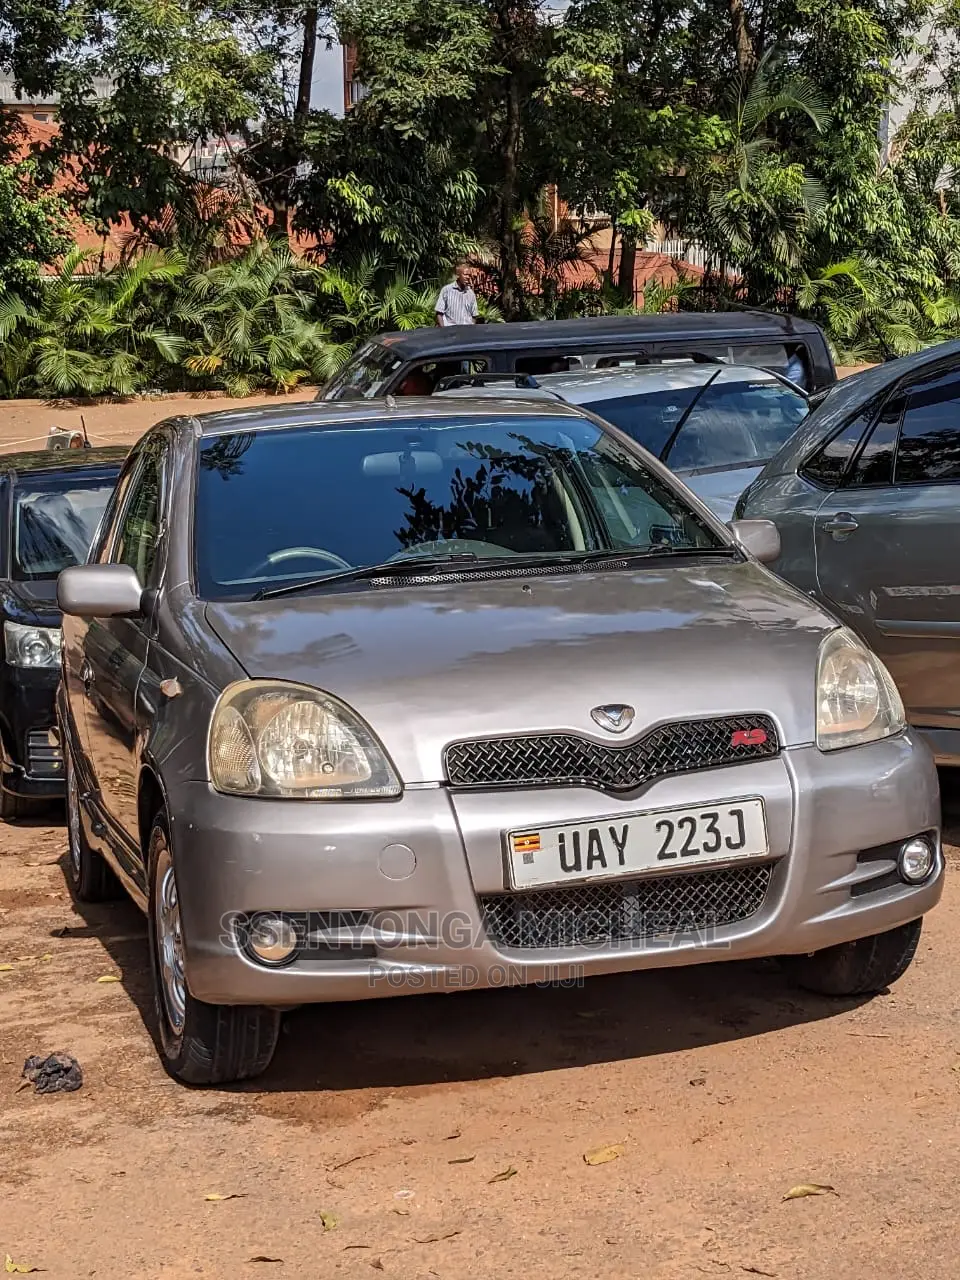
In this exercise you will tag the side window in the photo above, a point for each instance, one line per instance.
(929, 451)
(829, 464)
(136, 542)
(874, 464)
(422, 379)
(106, 530)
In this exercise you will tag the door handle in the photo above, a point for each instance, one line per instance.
(86, 674)
(841, 524)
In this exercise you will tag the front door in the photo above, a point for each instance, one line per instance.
(115, 652)
(888, 547)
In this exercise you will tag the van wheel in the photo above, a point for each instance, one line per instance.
(11, 806)
(90, 877)
(200, 1043)
(858, 968)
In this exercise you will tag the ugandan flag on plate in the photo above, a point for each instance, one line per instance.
(526, 844)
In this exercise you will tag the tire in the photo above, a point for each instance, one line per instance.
(200, 1043)
(90, 878)
(858, 968)
(11, 807)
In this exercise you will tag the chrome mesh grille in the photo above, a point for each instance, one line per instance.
(43, 759)
(565, 758)
(625, 911)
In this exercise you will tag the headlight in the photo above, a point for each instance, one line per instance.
(31, 646)
(269, 738)
(857, 700)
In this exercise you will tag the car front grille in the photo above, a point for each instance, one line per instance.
(557, 758)
(627, 911)
(43, 759)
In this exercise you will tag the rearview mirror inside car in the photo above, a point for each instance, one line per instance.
(99, 591)
(761, 538)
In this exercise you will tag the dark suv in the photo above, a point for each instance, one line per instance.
(50, 505)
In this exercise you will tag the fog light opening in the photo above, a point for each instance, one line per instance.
(917, 860)
(271, 940)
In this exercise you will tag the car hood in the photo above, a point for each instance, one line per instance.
(32, 603)
(720, 489)
(427, 665)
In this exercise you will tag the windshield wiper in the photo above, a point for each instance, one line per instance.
(411, 565)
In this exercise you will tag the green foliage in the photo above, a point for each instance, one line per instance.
(33, 221)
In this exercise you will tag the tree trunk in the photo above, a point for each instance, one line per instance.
(746, 54)
(307, 58)
(627, 275)
(509, 258)
(612, 253)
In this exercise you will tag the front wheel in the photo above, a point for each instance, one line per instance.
(858, 968)
(200, 1043)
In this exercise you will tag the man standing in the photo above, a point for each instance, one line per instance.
(457, 303)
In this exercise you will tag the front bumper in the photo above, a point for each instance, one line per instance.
(32, 765)
(409, 877)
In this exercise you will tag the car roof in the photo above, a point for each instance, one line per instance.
(47, 460)
(703, 325)
(349, 413)
(580, 386)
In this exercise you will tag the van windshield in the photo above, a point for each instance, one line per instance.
(364, 374)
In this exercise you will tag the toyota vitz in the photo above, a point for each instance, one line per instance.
(363, 698)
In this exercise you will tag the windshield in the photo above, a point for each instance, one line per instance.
(730, 424)
(275, 507)
(737, 424)
(363, 375)
(648, 417)
(54, 520)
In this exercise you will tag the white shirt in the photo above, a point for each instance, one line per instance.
(456, 305)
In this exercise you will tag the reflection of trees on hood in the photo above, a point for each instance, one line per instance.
(506, 490)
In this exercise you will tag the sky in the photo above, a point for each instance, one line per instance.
(327, 89)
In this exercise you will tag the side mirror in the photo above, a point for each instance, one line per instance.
(760, 538)
(100, 591)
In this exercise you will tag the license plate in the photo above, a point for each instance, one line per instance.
(659, 840)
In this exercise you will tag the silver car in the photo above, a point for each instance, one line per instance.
(866, 500)
(714, 425)
(361, 700)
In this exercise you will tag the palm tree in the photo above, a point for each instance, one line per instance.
(90, 333)
(756, 205)
(869, 318)
(253, 319)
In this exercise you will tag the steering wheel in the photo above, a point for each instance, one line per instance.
(453, 547)
(297, 553)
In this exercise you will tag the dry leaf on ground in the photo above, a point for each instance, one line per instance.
(109, 977)
(329, 1221)
(232, 1195)
(263, 1257)
(603, 1155)
(447, 1235)
(504, 1174)
(462, 1160)
(18, 1268)
(809, 1189)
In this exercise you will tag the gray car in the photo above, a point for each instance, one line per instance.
(866, 500)
(714, 425)
(363, 699)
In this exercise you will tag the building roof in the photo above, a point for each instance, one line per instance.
(9, 95)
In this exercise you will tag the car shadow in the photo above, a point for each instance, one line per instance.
(474, 1035)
